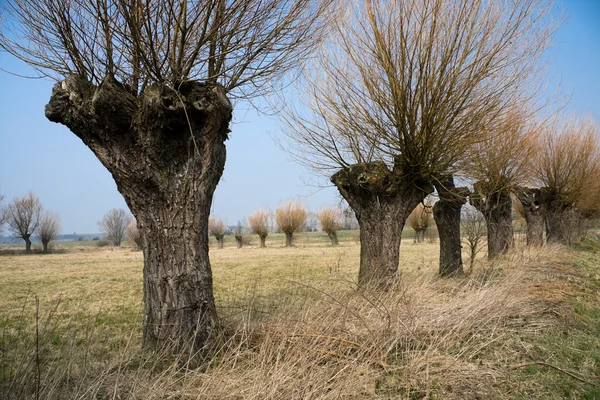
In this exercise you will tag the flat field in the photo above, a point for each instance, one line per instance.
(297, 327)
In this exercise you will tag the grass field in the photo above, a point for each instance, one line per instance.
(526, 326)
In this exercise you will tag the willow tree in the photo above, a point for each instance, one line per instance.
(498, 166)
(567, 169)
(147, 86)
(401, 92)
(259, 223)
(420, 219)
(330, 219)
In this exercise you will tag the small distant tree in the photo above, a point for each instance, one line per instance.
(114, 224)
(473, 232)
(23, 217)
(420, 218)
(2, 213)
(134, 234)
(217, 228)
(239, 235)
(290, 218)
(259, 223)
(330, 220)
(48, 229)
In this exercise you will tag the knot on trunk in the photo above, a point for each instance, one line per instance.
(487, 198)
(532, 199)
(114, 104)
(190, 98)
(69, 96)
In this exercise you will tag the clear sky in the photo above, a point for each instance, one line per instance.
(46, 158)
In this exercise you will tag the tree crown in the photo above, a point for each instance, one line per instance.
(242, 44)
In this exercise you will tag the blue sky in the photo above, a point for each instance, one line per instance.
(49, 160)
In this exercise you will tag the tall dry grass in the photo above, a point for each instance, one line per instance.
(426, 338)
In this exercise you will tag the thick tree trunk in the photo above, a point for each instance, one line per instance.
(497, 211)
(27, 239)
(262, 241)
(382, 200)
(219, 241)
(239, 241)
(333, 238)
(446, 213)
(45, 244)
(166, 152)
(562, 223)
(289, 239)
(532, 202)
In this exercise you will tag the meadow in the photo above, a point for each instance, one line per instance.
(296, 327)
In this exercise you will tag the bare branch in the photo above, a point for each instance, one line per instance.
(245, 45)
(417, 83)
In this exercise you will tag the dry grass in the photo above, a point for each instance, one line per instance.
(296, 327)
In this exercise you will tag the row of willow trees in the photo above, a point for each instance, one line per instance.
(289, 219)
(394, 96)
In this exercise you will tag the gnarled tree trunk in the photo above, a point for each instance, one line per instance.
(45, 244)
(333, 237)
(239, 241)
(446, 213)
(531, 199)
(496, 208)
(382, 200)
(263, 238)
(166, 152)
(220, 241)
(562, 222)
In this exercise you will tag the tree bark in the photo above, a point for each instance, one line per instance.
(45, 244)
(219, 241)
(532, 201)
(382, 200)
(333, 237)
(166, 152)
(239, 241)
(262, 241)
(289, 239)
(27, 239)
(446, 213)
(496, 208)
(562, 223)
